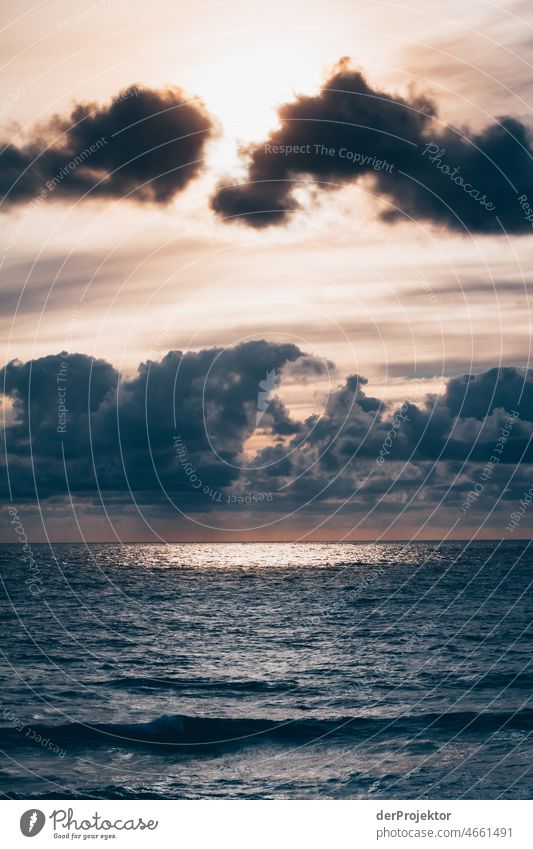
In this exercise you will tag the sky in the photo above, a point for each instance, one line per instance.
(266, 270)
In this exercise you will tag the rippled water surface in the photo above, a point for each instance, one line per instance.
(267, 670)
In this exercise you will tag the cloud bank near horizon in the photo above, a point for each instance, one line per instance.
(149, 440)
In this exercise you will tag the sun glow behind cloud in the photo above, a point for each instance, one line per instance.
(244, 89)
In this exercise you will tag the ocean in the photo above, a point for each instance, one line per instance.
(260, 671)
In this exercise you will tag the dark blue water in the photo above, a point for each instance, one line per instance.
(267, 670)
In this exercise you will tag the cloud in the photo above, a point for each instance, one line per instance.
(352, 131)
(364, 459)
(145, 144)
(192, 413)
(464, 423)
(479, 395)
(118, 434)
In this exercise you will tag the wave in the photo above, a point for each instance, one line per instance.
(218, 685)
(503, 681)
(188, 732)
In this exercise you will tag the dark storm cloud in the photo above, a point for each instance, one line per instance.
(479, 395)
(349, 130)
(118, 433)
(146, 144)
(360, 440)
(198, 409)
(363, 457)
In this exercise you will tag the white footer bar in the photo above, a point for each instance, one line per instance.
(327, 824)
